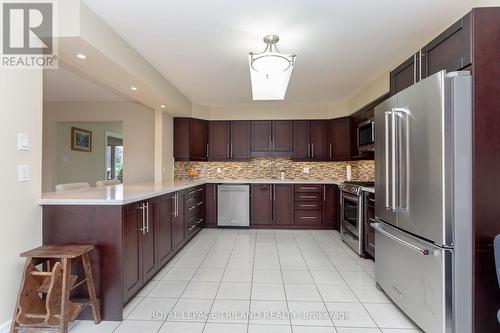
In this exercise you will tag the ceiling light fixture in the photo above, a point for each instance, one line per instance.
(270, 71)
(81, 56)
(162, 106)
(133, 88)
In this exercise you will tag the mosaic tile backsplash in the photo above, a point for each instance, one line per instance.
(259, 168)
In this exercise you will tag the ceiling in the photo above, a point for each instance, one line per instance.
(62, 85)
(201, 46)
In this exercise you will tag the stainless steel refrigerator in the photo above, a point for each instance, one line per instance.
(423, 226)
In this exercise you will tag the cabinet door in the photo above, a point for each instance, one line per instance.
(219, 136)
(331, 206)
(282, 136)
(181, 139)
(211, 205)
(178, 220)
(198, 140)
(261, 204)
(320, 130)
(404, 75)
(148, 245)
(261, 135)
(240, 140)
(301, 139)
(340, 137)
(163, 229)
(283, 204)
(132, 260)
(450, 51)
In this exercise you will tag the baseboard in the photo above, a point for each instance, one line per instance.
(5, 327)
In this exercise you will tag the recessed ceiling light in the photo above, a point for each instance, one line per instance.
(162, 106)
(81, 56)
(133, 88)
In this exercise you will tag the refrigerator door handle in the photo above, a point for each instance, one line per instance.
(387, 160)
(401, 115)
(393, 205)
(423, 251)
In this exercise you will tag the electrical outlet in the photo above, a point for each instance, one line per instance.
(24, 173)
(219, 170)
(305, 170)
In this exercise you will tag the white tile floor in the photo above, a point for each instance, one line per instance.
(258, 281)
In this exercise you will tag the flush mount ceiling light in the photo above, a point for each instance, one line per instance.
(270, 71)
(81, 56)
(133, 88)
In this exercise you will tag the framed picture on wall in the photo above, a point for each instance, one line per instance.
(81, 140)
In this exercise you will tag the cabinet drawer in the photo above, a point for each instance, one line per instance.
(308, 216)
(193, 211)
(306, 188)
(308, 197)
(196, 200)
(194, 192)
(308, 205)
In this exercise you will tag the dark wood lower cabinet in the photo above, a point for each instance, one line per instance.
(331, 206)
(178, 227)
(261, 204)
(283, 198)
(211, 205)
(148, 242)
(132, 270)
(163, 228)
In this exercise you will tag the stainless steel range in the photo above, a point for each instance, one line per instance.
(351, 214)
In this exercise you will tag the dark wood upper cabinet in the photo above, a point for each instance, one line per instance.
(190, 139)
(229, 140)
(272, 138)
(261, 204)
(261, 136)
(163, 228)
(340, 139)
(282, 136)
(451, 50)
(404, 75)
(283, 204)
(239, 148)
(320, 130)
(219, 140)
(301, 139)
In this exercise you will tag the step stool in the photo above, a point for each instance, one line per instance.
(43, 302)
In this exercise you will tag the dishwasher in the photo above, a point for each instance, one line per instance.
(233, 205)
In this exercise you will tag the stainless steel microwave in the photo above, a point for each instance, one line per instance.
(366, 135)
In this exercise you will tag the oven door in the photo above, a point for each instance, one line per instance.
(350, 213)
(366, 136)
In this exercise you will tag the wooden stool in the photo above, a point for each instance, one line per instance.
(44, 301)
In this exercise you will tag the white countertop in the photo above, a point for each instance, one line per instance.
(125, 194)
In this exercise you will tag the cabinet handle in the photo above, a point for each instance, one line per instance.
(199, 221)
(177, 205)
(191, 208)
(147, 217)
(194, 226)
(227, 151)
(192, 192)
(312, 150)
(302, 205)
(308, 217)
(308, 150)
(270, 193)
(308, 197)
(231, 150)
(143, 212)
(200, 190)
(308, 188)
(274, 192)
(324, 192)
(199, 203)
(420, 65)
(372, 245)
(331, 156)
(207, 151)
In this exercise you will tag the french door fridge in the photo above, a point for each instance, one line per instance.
(423, 203)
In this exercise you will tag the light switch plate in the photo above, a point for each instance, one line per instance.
(24, 173)
(23, 141)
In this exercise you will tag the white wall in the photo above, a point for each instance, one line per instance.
(138, 134)
(21, 112)
(77, 166)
